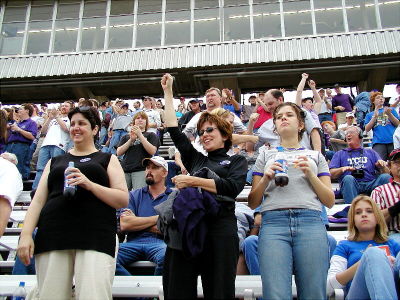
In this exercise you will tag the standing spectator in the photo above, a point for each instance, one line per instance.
(179, 111)
(76, 236)
(56, 129)
(325, 113)
(194, 105)
(282, 253)
(230, 102)
(383, 121)
(137, 107)
(308, 103)
(247, 110)
(119, 127)
(203, 106)
(357, 167)
(10, 187)
(139, 220)
(43, 112)
(387, 197)
(135, 147)
(395, 100)
(182, 101)
(21, 137)
(161, 128)
(342, 104)
(3, 130)
(349, 122)
(264, 105)
(153, 115)
(105, 123)
(357, 264)
(217, 261)
(362, 108)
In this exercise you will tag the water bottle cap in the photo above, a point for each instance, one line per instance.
(22, 283)
(71, 164)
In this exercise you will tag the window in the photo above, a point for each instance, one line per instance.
(12, 14)
(177, 27)
(11, 38)
(68, 11)
(121, 7)
(95, 9)
(41, 13)
(328, 16)
(297, 16)
(390, 13)
(121, 30)
(149, 6)
(66, 33)
(148, 30)
(267, 20)
(38, 37)
(361, 14)
(237, 23)
(206, 3)
(93, 34)
(178, 5)
(206, 25)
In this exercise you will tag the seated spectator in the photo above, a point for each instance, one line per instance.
(358, 265)
(325, 113)
(357, 167)
(387, 197)
(349, 121)
(194, 106)
(21, 137)
(179, 111)
(10, 187)
(136, 146)
(383, 122)
(139, 220)
(336, 138)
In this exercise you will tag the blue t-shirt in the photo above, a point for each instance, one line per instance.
(231, 108)
(141, 203)
(383, 128)
(360, 158)
(352, 250)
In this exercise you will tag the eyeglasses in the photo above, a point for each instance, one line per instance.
(208, 130)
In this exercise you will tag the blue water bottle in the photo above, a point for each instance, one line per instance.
(20, 292)
(69, 190)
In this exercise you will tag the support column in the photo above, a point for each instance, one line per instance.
(229, 83)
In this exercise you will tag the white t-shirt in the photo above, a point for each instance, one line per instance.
(55, 135)
(393, 100)
(10, 181)
(154, 117)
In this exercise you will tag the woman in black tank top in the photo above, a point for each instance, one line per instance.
(76, 235)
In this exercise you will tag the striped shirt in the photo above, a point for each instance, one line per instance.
(386, 196)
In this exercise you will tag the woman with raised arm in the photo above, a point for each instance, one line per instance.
(293, 238)
(76, 236)
(365, 264)
(217, 262)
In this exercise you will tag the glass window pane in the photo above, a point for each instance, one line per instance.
(68, 11)
(235, 2)
(297, 18)
(390, 13)
(206, 25)
(121, 30)
(12, 14)
(237, 23)
(328, 16)
(66, 33)
(149, 6)
(17, 3)
(177, 27)
(38, 37)
(68, 1)
(178, 5)
(361, 14)
(95, 9)
(149, 30)
(121, 7)
(267, 20)
(206, 3)
(42, 2)
(41, 13)
(11, 38)
(93, 34)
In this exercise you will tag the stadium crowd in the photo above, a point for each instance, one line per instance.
(128, 203)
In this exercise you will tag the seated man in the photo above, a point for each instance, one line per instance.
(139, 220)
(10, 187)
(387, 197)
(356, 167)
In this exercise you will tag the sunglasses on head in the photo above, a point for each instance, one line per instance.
(208, 130)
(84, 108)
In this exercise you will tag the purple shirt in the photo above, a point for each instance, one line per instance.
(342, 100)
(360, 158)
(27, 125)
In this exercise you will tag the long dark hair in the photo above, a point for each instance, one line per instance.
(301, 115)
(3, 125)
(91, 114)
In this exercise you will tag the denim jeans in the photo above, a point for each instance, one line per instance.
(374, 278)
(45, 154)
(350, 187)
(116, 137)
(103, 135)
(22, 151)
(293, 241)
(141, 248)
(326, 117)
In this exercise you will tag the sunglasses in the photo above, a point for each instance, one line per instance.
(208, 130)
(84, 108)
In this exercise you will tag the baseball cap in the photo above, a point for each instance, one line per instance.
(157, 160)
(194, 100)
(394, 154)
(350, 114)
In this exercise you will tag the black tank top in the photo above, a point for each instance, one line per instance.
(82, 222)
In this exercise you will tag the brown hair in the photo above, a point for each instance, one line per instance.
(301, 116)
(28, 107)
(372, 97)
(381, 230)
(3, 125)
(214, 89)
(223, 126)
(144, 116)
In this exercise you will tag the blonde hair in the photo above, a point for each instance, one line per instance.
(381, 230)
(220, 112)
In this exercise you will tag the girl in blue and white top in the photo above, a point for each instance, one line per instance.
(358, 264)
(293, 237)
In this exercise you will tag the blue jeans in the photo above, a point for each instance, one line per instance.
(141, 248)
(293, 241)
(45, 154)
(116, 137)
(22, 151)
(327, 117)
(375, 278)
(350, 187)
(103, 135)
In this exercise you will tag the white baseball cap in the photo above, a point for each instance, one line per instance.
(157, 160)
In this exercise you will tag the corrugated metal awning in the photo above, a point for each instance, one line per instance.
(354, 44)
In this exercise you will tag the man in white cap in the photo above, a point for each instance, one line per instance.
(139, 220)
(349, 121)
